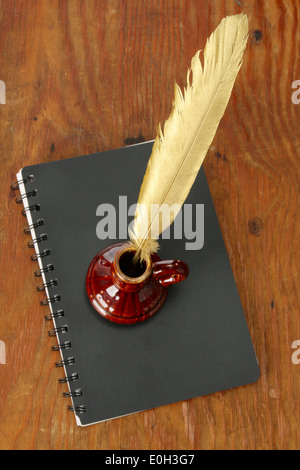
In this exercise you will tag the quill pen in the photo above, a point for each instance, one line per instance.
(180, 148)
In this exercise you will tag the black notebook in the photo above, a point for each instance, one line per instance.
(198, 343)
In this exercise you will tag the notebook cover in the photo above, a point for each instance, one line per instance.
(197, 344)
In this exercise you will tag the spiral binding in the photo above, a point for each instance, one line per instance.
(66, 362)
(38, 223)
(19, 200)
(72, 377)
(42, 238)
(40, 272)
(60, 346)
(45, 286)
(77, 409)
(77, 393)
(44, 253)
(16, 185)
(58, 314)
(60, 329)
(35, 208)
(50, 300)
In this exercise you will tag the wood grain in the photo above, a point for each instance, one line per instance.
(84, 76)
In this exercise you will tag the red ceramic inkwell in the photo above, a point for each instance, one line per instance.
(127, 293)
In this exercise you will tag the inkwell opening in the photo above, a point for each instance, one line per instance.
(129, 268)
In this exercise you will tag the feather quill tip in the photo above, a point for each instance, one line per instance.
(143, 250)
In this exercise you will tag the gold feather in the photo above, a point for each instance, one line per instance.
(180, 148)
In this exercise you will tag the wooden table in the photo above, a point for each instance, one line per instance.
(84, 76)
